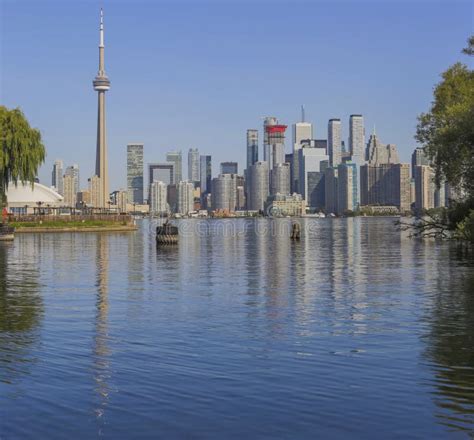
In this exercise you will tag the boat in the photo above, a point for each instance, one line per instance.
(167, 233)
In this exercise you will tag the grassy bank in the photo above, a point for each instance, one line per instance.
(67, 225)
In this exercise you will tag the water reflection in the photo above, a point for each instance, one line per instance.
(101, 348)
(451, 341)
(21, 310)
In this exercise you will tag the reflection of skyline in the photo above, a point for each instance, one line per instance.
(101, 350)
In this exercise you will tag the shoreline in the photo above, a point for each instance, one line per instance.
(121, 228)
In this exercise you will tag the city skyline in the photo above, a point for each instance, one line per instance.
(226, 116)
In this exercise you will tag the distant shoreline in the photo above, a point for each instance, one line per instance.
(121, 228)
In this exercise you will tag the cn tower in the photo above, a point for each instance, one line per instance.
(101, 85)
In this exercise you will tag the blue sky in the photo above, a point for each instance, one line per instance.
(198, 74)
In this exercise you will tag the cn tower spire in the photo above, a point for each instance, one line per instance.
(101, 85)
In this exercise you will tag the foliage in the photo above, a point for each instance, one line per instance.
(469, 50)
(53, 224)
(21, 150)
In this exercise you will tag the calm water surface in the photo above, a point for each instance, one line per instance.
(357, 331)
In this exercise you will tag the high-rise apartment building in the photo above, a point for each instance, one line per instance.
(334, 142)
(57, 176)
(176, 158)
(229, 168)
(69, 191)
(258, 177)
(357, 139)
(252, 147)
(193, 165)
(94, 191)
(348, 194)
(224, 192)
(158, 198)
(73, 171)
(135, 173)
(280, 179)
(206, 174)
(185, 197)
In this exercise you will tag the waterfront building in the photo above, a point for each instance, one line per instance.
(24, 198)
(158, 198)
(101, 85)
(274, 142)
(176, 158)
(282, 205)
(331, 190)
(229, 168)
(348, 194)
(135, 173)
(357, 139)
(311, 182)
(386, 184)
(57, 176)
(334, 142)
(193, 165)
(185, 197)
(69, 183)
(258, 181)
(424, 188)
(224, 193)
(378, 153)
(252, 147)
(280, 179)
(302, 132)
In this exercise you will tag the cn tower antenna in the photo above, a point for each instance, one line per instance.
(302, 113)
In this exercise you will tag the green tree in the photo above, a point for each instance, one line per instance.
(21, 150)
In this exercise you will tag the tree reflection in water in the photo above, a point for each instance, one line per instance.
(21, 310)
(451, 342)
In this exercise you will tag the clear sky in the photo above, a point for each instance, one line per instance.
(199, 73)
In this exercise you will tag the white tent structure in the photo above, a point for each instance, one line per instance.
(24, 198)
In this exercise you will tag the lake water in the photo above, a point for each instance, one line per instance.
(356, 331)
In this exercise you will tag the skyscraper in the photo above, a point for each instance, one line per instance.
(158, 196)
(224, 192)
(176, 158)
(206, 174)
(331, 190)
(310, 160)
(274, 142)
(185, 197)
(160, 172)
(101, 85)
(424, 188)
(378, 153)
(73, 171)
(280, 179)
(193, 165)
(57, 176)
(334, 142)
(357, 139)
(69, 191)
(347, 186)
(135, 173)
(258, 186)
(252, 147)
(229, 168)
(418, 158)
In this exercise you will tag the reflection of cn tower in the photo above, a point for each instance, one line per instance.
(101, 350)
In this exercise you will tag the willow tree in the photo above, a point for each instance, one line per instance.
(21, 151)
